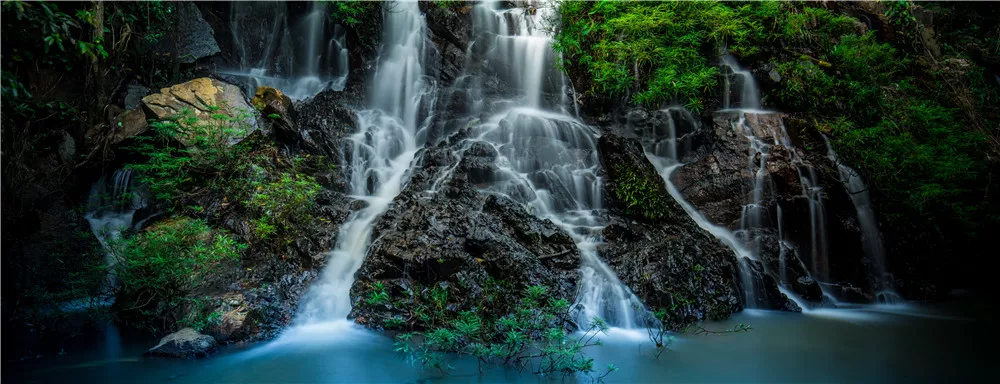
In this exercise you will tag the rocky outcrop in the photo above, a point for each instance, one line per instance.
(451, 32)
(718, 177)
(186, 343)
(669, 262)
(192, 37)
(459, 239)
(720, 182)
(206, 99)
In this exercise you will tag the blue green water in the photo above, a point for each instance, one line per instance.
(907, 343)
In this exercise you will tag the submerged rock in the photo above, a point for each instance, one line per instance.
(186, 343)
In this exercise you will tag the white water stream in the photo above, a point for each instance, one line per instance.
(871, 237)
(111, 208)
(383, 149)
(548, 158)
(300, 57)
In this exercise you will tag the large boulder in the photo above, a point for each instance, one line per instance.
(186, 343)
(214, 103)
(192, 37)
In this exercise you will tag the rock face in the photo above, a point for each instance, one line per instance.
(204, 98)
(192, 37)
(459, 239)
(451, 31)
(718, 178)
(670, 263)
(186, 343)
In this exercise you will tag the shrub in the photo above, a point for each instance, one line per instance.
(284, 203)
(531, 334)
(173, 169)
(159, 267)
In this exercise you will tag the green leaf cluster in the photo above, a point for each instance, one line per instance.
(642, 196)
(158, 268)
(655, 52)
(532, 334)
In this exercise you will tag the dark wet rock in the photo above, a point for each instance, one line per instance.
(655, 128)
(185, 343)
(134, 94)
(278, 109)
(717, 180)
(674, 266)
(783, 262)
(451, 31)
(461, 239)
(765, 288)
(192, 37)
(670, 260)
(720, 181)
(626, 167)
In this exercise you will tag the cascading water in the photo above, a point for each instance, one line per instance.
(741, 95)
(112, 205)
(871, 238)
(664, 156)
(548, 159)
(383, 148)
(300, 61)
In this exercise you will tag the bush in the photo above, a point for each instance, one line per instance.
(283, 204)
(186, 152)
(158, 268)
(532, 334)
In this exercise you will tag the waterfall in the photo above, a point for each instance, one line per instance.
(871, 237)
(300, 59)
(547, 159)
(664, 157)
(111, 210)
(742, 96)
(383, 148)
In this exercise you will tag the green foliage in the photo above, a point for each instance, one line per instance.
(531, 334)
(284, 203)
(378, 294)
(883, 113)
(913, 147)
(659, 52)
(352, 13)
(642, 196)
(158, 268)
(449, 4)
(172, 168)
(61, 36)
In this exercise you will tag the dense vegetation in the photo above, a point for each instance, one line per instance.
(918, 114)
